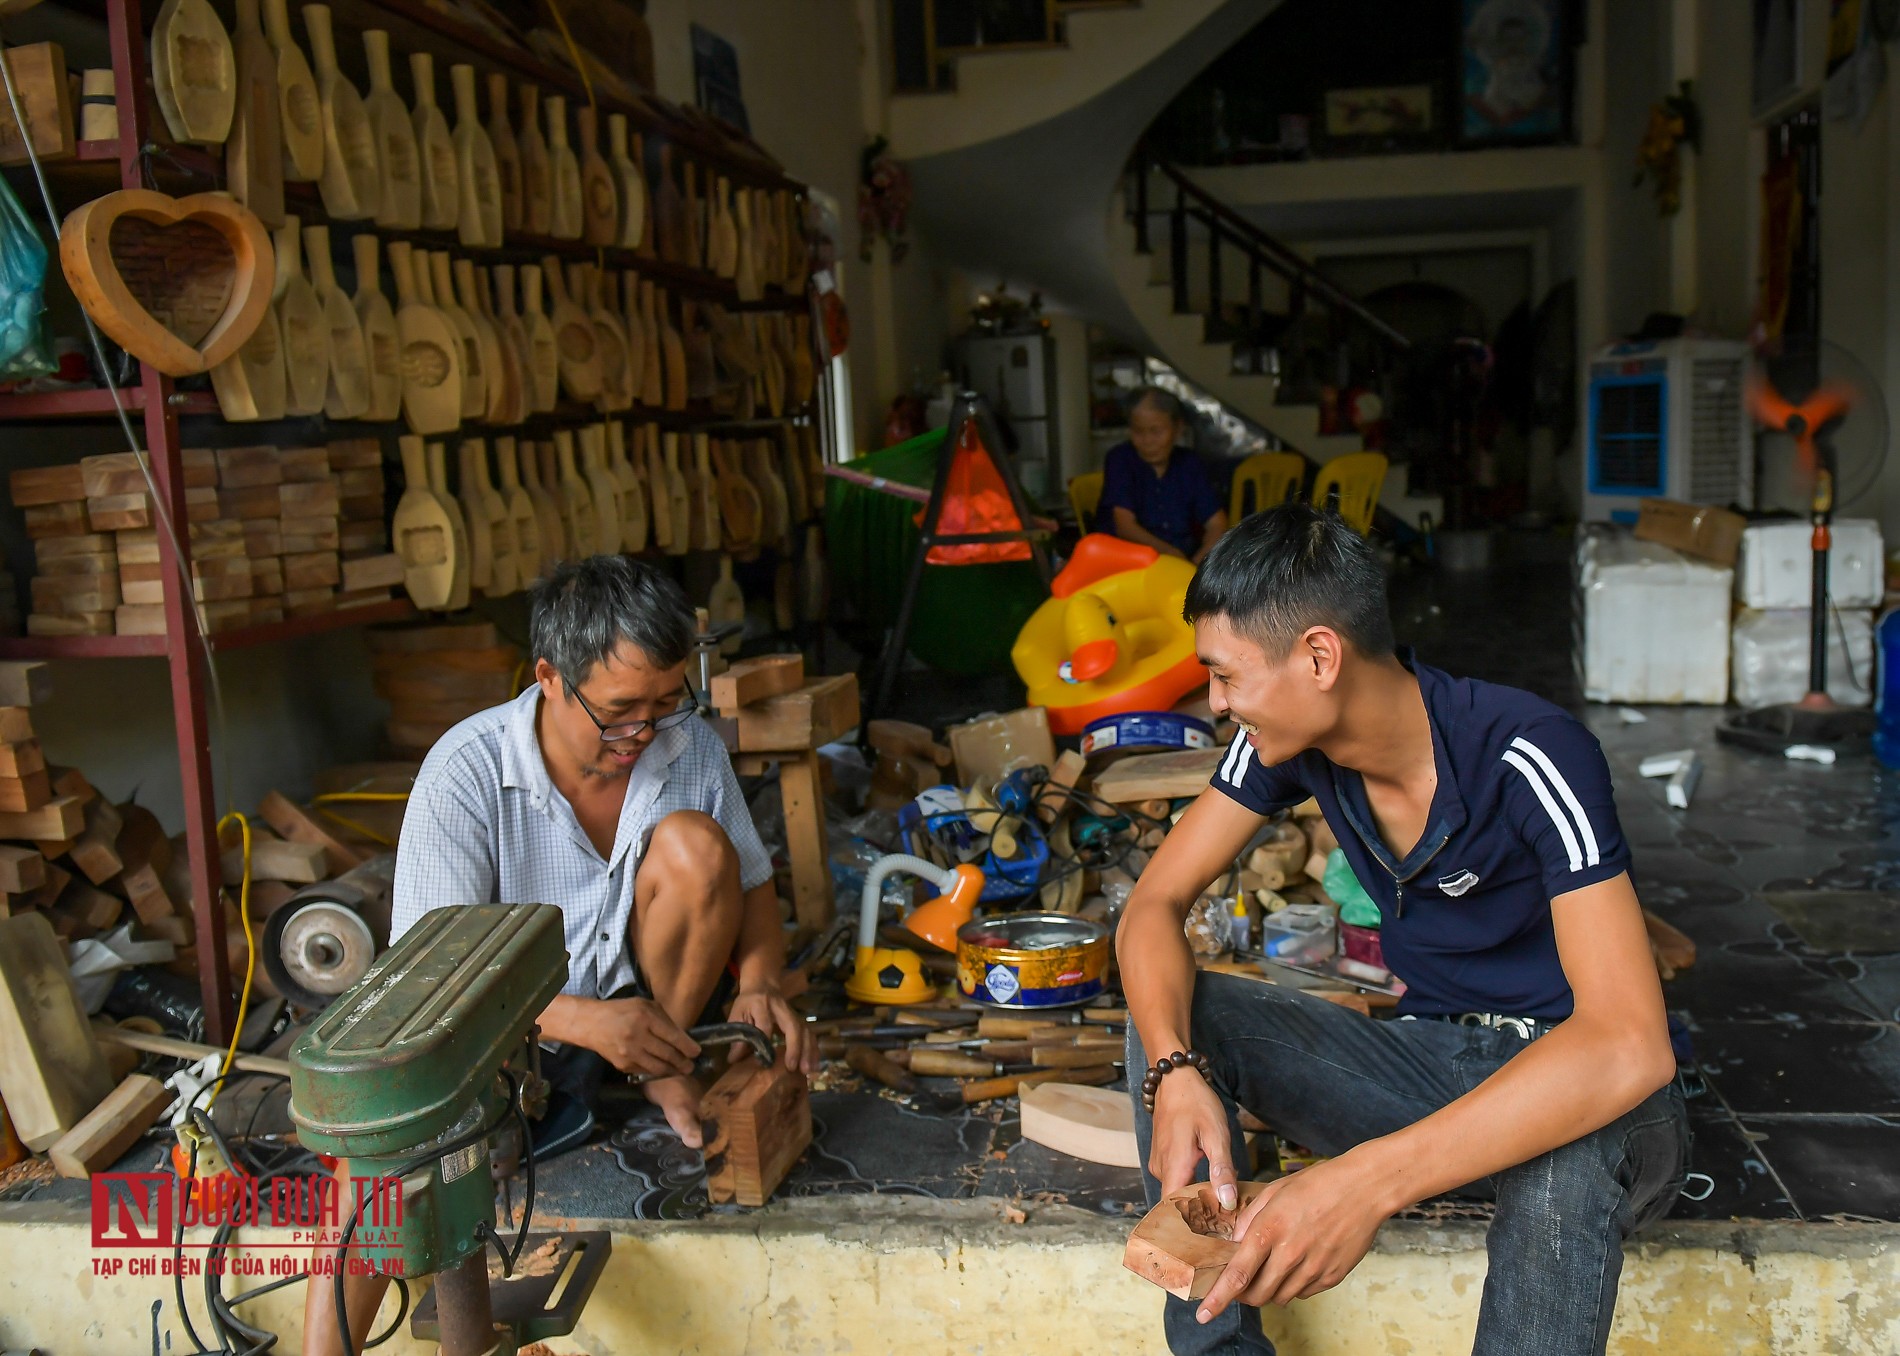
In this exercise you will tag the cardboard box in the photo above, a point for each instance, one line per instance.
(1655, 623)
(986, 749)
(1701, 530)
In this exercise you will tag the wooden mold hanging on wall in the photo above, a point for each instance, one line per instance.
(180, 283)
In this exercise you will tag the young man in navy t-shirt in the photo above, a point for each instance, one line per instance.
(1536, 1066)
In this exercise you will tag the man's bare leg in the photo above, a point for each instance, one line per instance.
(362, 1295)
(687, 908)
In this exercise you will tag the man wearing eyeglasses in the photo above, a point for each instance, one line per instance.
(600, 791)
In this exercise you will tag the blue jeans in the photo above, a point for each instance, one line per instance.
(1328, 1078)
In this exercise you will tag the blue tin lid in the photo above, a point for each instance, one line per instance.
(1146, 730)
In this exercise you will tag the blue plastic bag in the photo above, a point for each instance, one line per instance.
(23, 259)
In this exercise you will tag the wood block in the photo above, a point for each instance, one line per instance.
(140, 592)
(757, 1124)
(146, 890)
(136, 546)
(311, 570)
(308, 602)
(59, 818)
(90, 910)
(303, 465)
(494, 659)
(109, 1129)
(363, 538)
(66, 594)
(815, 714)
(201, 506)
(222, 588)
(363, 508)
(1093, 1124)
(51, 1071)
(96, 852)
(297, 825)
(348, 598)
(113, 473)
(64, 519)
(69, 624)
(70, 781)
(99, 562)
(45, 92)
(372, 572)
(86, 544)
(46, 485)
(301, 536)
(21, 870)
(267, 576)
(25, 793)
(753, 680)
(484, 688)
(114, 512)
(22, 759)
(275, 859)
(353, 453)
(263, 537)
(16, 724)
(243, 467)
(366, 480)
(267, 609)
(225, 615)
(1152, 776)
(251, 501)
(142, 839)
(1184, 1243)
(1064, 775)
(24, 683)
(51, 888)
(308, 499)
(139, 619)
(200, 468)
(413, 638)
(218, 548)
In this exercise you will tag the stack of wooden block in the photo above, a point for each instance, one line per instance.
(74, 856)
(369, 568)
(71, 513)
(434, 677)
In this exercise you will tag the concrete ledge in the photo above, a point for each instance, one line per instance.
(872, 1274)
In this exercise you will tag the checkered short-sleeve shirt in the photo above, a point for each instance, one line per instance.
(485, 825)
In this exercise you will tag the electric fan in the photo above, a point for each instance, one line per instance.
(1824, 426)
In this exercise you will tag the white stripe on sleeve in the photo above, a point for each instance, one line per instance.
(1233, 757)
(1557, 816)
(1246, 761)
(1591, 855)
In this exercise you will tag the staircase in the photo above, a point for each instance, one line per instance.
(1217, 298)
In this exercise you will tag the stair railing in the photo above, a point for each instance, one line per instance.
(1263, 253)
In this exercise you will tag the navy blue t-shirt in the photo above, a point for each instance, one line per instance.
(1175, 505)
(1523, 813)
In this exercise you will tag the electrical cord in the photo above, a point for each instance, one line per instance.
(475, 1136)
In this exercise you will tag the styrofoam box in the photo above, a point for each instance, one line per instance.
(1776, 566)
(1655, 623)
(1770, 656)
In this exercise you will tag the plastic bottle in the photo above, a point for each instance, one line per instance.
(1887, 694)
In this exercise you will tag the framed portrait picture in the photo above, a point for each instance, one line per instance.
(1515, 72)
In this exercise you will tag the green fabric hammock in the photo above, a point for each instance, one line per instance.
(967, 616)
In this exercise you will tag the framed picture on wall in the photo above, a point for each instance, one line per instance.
(1514, 72)
(1776, 77)
(1390, 117)
(716, 78)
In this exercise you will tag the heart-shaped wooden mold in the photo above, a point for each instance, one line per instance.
(180, 283)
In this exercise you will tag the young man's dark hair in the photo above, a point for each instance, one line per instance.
(1286, 568)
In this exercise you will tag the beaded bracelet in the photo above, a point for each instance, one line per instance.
(1151, 1081)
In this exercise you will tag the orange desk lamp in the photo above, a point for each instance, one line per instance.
(895, 974)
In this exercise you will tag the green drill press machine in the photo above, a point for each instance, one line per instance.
(405, 1076)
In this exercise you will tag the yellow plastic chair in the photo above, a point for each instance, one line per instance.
(1085, 492)
(1358, 476)
(1274, 477)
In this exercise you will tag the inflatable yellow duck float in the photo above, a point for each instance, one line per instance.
(1111, 638)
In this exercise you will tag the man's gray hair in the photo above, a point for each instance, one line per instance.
(585, 609)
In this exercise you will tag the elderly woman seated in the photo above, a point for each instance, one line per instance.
(1157, 493)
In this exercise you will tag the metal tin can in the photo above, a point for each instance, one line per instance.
(1032, 960)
